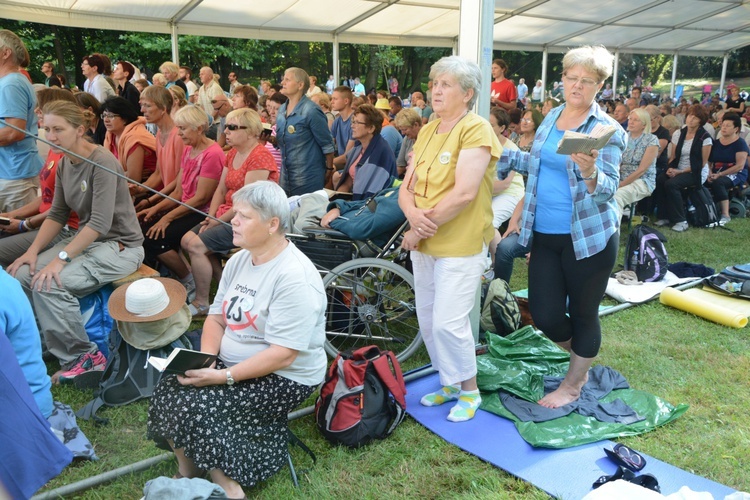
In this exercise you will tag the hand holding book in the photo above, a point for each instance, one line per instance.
(576, 142)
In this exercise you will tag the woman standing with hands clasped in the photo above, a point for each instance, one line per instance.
(570, 211)
(447, 199)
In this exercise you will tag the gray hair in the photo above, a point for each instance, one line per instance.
(266, 198)
(301, 76)
(467, 74)
(595, 59)
(9, 40)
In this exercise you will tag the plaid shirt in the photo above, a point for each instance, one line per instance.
(595, 215)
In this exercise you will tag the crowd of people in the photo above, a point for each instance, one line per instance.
(202, 172)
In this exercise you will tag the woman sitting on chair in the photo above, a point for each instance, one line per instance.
(267, 326)
(638, 167)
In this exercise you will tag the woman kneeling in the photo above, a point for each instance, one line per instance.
(266, 325)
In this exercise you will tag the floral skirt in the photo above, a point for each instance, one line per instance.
(239, 429)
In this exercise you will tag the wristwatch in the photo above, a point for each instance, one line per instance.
(64, 256)
(230, 379)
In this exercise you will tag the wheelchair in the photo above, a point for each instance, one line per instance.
(369, 288)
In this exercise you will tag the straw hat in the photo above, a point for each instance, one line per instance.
(382, 103)
(148, 299)
(150, 312)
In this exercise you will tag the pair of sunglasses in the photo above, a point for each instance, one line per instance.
(234, 127)
(627, 457)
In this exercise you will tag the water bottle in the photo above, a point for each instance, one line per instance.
(634, 261)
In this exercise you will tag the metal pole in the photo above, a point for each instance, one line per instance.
(175, 45)
(336, 68)
(105, 477)
(674, 76)
(544, 73)
(614, 73)
(723, 74)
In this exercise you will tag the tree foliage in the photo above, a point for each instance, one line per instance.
(256, 59)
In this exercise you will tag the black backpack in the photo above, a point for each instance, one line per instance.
(645, 254)
(128, 375)
(363, 397)
(702, 209)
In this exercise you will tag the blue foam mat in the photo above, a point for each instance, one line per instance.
(565, 474)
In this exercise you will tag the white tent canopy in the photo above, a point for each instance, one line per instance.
(685, 27)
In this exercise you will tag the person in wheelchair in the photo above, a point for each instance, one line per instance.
(370, 164)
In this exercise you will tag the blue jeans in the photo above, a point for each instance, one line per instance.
(507, 250)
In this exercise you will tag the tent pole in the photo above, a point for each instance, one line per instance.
(475, 44)
(674, 76)
(336, 68)
(723, 74)
(175, 45)
(545, 53)
(614, 73)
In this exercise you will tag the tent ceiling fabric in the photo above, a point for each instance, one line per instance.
(687, 27)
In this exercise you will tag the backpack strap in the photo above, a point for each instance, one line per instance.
(389, 371)
(88, 412)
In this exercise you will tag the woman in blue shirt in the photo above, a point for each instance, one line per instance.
(570, 210)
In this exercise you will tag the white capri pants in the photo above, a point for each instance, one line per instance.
(445, 290)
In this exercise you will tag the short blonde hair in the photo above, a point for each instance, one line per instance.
(178, 94)
(595, 59)
(193, 117)
(644, 118)
(170, 67)
(159, 79)
(249, 118)
(301, 76)
(407, 117)
(671, 123)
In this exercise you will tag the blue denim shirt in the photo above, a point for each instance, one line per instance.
(304, 140)
(595, 215)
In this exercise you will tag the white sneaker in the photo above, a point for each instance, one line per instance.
(190, 288)
(662, 222)
(724, 219)
(680, 227)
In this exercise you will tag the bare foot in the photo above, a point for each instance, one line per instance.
(563, 395)
(55, 378)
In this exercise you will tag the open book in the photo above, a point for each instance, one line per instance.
(576, 142)
(182, 360)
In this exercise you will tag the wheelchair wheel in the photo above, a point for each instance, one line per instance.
(737, 209)
(371, 302)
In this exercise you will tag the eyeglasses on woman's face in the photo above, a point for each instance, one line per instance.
(232, 127)
(356, 122)
(571, 80)
(109, 116)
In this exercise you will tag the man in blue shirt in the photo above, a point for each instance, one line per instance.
(341, 102)
(303, 136)
(19, 158)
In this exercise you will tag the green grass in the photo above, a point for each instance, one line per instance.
(677, 356)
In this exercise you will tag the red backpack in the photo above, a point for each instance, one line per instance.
(362, 398)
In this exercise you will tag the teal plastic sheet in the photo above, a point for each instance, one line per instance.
(518, 364)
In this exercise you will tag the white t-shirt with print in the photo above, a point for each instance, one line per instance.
(281, 302)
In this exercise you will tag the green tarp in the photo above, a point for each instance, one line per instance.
(518, 363)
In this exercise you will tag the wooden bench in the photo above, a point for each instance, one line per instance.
(143, 272)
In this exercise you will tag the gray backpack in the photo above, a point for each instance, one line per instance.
(128, 375)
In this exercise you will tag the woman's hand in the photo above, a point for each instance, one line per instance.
(27, 258)
(410, 240)
(13, 227)
(203, 377)
(514, 227)
(158, 230)
(208, 223)
(148, 214)
(420, 222)
(43, 279)
(326, 220)
(586, 163)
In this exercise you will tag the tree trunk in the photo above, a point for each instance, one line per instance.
(59, 54)
(353, 61)
(303, 55)
(371, 81)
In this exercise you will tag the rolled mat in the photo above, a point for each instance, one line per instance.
(697, 303)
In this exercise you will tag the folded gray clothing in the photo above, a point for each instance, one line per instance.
(164, 488)
(602, 381)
